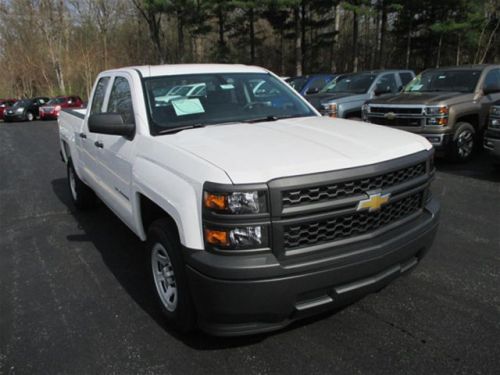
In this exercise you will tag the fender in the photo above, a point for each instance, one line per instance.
(177, 197)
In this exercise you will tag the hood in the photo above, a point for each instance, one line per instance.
(424, 98)
(317, 99)
(254, 153)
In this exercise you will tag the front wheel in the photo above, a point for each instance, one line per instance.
(30, 116)
(463, 143)
(82, 196)
(168, 276)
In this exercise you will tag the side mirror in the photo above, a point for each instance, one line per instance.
(491, 89)
(312, 90)
(381, 90)
(110, 123)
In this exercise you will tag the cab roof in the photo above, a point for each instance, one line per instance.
(178, 69)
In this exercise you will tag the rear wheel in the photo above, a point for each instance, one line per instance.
(169, 277)
(82, 196)
(463, 143)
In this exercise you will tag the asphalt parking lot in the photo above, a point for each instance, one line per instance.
(74, 297)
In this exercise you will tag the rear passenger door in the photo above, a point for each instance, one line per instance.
(116, 150)
(86, 141)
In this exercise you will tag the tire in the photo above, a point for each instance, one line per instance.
(463, 144)
(81, 195)
(30, 116)
(168, 276)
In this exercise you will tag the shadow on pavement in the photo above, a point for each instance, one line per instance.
(122, 252)
(481, 167)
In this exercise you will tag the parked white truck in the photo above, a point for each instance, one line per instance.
(256, 210)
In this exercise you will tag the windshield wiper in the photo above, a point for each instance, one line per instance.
(180, 128)
(270, 118)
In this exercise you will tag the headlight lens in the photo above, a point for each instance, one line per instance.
(250, 202)
(495, 123)
(495, 111)
(239, 238)
(330, 109)
(20, 110)
(365, 108)
(442, 110)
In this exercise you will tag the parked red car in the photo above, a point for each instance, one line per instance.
(5, 103)
(51, 110)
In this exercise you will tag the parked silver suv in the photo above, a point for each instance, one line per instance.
(344, 96)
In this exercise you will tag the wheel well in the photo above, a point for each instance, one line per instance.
(353, 114)
(471, 119)
(150, 212)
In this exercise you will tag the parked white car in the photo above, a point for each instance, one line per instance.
(254, 213)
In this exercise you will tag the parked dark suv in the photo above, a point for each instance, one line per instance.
(24, 109)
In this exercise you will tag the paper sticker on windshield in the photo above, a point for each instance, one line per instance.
(416, 87)
(183, 107)
(441, 77)
(227, 86)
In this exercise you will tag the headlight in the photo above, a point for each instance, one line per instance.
(495, 123)
(365, 108)
(442, 110)
(20, 110)
(239, 238)
(330, 109)
(249, 202)
(57, 108)
(495, 111)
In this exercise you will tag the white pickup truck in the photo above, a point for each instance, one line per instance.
(256, 210)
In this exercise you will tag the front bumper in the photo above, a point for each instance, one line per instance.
(492, 143)
(237, 295)
(14, 117)
(48, 115)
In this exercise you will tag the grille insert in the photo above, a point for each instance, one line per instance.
(397, 110)
(323, 193)
(350, 225)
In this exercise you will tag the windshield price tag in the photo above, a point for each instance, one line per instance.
(185, 107)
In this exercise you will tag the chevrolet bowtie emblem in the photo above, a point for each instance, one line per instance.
(374, 202)
(390, 115)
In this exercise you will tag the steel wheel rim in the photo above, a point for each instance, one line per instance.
(72, 184)
(164, 277)
(465, 143)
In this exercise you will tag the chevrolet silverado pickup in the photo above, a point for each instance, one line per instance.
(256, 210)
(448, 106)
(492, 134)
(344, 96)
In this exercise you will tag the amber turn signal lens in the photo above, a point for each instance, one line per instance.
(442, 121)
(216, 237)
(214, 201)
(443, 110)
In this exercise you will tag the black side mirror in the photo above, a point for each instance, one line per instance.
(491, 89)
(110, 123)
(381, 90)
(312, 90)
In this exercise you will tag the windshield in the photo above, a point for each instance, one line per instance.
(22, 103)
(444, 80)
(56, 101)
(209, 99)
(355, 84)
(297, 83)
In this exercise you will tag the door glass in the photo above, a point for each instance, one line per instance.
(99, 95)
(120, 100)
(492, 78)
(387, 83)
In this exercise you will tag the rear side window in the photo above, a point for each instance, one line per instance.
(405, 77)
(99, 94)
(120, 100)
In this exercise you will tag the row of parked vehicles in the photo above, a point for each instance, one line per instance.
(451, 107)
(40, 107)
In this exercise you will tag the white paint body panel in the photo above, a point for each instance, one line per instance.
(171, 169)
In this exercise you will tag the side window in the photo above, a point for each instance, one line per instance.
(388, 82)
(405, 77)
(492, 78)
(120, 100)
(100, 93)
